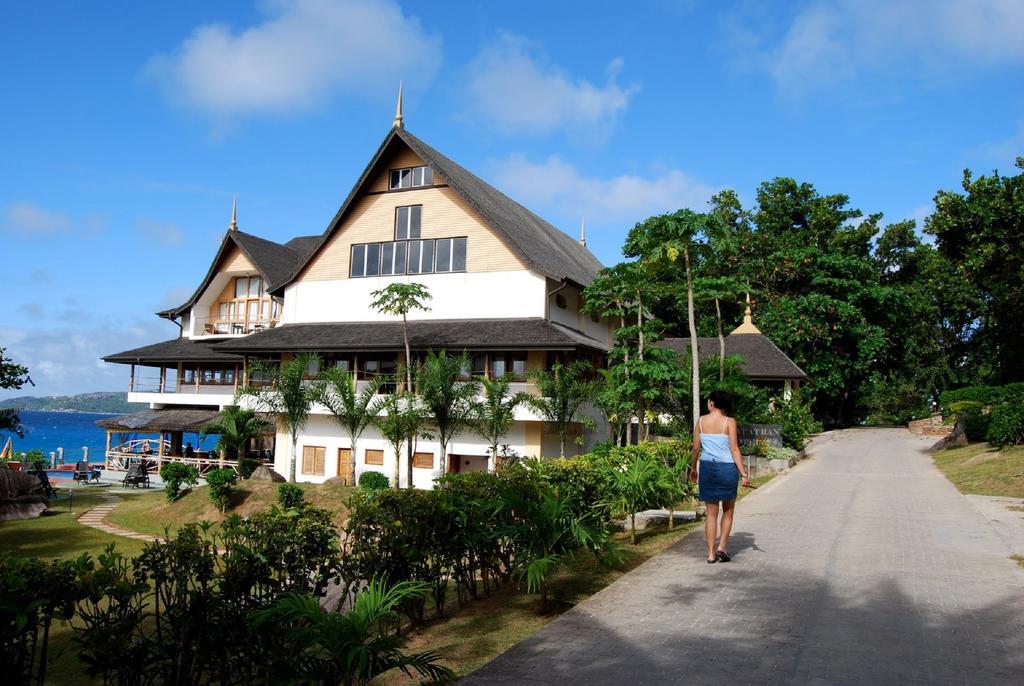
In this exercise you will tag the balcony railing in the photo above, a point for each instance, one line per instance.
(211, 326)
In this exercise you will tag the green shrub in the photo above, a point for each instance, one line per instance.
(972, 414)
(797, 421)
(757, 449)
(986, 395)
(290, 496)
(175, 475)
(373, 481)
(1007, 424)
(247, 465)
(783, 453)
(222, 486)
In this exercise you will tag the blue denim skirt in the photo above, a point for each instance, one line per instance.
(718, 480)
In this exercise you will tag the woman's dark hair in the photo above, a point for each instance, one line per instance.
(722, 400)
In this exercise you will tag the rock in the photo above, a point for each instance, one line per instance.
(337, 481)
(22, 496)
(650, 519)
(955, 439)
(265, 473)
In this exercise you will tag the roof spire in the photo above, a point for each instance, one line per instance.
(583, 231)
(399, 123)
(233, 226)
(748, 321)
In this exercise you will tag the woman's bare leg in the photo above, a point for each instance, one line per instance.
(727, 509)
(711, 526)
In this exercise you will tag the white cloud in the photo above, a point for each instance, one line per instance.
(32, 220)
(28, 220)
(556, 184)
(512, 86)
(301, 53)
(825, 43)
(64, 360)
(164, 233)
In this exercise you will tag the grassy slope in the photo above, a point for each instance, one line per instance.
(980, 469)
(151, 513)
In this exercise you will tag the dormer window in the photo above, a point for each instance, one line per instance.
(412, 177)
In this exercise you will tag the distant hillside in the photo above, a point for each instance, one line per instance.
(108, 402)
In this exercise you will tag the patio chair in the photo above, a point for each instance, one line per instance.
(83, 472)
(133, 476)
(143, 477)
(44, 479)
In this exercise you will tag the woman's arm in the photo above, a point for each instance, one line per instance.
(734, 447)
(695, 453)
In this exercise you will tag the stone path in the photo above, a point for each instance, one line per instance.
(861, 566)
(95, 518)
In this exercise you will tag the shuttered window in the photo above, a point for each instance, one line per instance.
(313, 457)
(374, 457)
(423, 460)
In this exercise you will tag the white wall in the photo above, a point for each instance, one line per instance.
(325, 432)
(474, 295)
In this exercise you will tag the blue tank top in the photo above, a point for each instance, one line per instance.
(714, 447)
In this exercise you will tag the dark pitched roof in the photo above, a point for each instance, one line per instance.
(273, 260)
(541, 246)
(161, 420)
(172, 351)
(761, 359)
(452, 334)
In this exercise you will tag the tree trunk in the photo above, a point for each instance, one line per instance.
(398, 467)
(409, 448)
(694, 351)
(721, 344)
(291, 466)
(561, 442)
(408, 355)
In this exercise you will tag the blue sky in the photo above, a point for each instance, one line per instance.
(126, 128)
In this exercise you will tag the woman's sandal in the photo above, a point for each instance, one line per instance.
(713, 560)
(723, 556)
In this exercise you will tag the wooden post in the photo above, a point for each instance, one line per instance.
(106, 455)
(236, 379)
(131, 379)
(163, 378)
(197, 379)
(177, 383)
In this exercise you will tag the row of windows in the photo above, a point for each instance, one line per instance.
(494, 365)
(427, 256)
(209, 375)
(314, 459)
(412, 177)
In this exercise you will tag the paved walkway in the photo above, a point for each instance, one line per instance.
(861, 566)
(95, 518)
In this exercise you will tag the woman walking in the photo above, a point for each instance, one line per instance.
(721, 466)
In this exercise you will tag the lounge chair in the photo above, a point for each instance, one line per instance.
(137, 475)
(83, 472)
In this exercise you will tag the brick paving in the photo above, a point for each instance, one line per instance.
(863, 565)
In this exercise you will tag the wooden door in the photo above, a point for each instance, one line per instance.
(345, 465)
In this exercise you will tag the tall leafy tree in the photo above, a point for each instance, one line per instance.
(283, 389)
(236, 427)
(981, 232)
(448, 395)
(401, 299)
(12, 377)
(352, 408)
(496, 411)
(402, 421)
(564, 390)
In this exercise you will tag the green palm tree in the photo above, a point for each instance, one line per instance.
(236, 427)
(283, 389)
(564, 389)
(349, 647)
(401, 422)
(353, 410)
(496, 411)
(448, 398)
(401, 299)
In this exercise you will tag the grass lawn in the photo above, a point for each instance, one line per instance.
(980, 469)
(58, 534)
(150, 512)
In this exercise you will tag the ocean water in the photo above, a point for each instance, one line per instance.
(48, 431)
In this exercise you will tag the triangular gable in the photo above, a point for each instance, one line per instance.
(539, 245)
